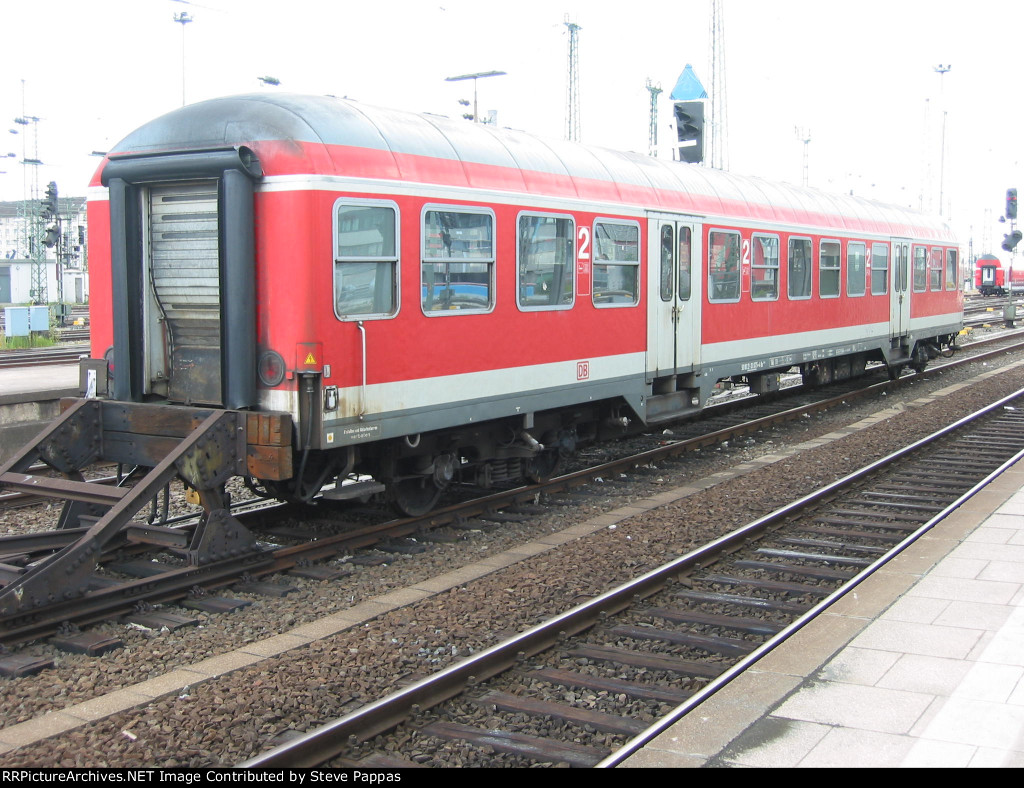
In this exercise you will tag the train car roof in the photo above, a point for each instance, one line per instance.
(325, 136)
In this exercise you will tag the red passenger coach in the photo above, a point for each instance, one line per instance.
(433, 301)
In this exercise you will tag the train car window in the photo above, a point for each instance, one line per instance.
(546, 262)
(952, 277)
(616, 264)
(828, 269)
(668, 257)
(685, 251)
(935, 270)
(764, 268)
(365, 259)
(723, 266)
(856, 271)
(458, 261)
(920, 269)
(879, 269)
(799, 268)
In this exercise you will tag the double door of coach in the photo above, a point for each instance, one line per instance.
(674, 294)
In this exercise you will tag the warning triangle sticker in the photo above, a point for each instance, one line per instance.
(309, 359)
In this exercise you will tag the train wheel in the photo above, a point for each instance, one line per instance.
(414, 496)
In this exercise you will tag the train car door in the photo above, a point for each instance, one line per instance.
(674, 293)
(899, 304)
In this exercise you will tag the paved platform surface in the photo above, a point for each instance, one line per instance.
(30, 384)
(921, 666)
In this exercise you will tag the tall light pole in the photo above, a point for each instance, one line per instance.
(183, 19)
(942, 70)
(475, 77)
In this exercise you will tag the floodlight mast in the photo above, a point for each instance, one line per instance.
(475, 77)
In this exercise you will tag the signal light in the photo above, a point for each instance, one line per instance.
(52, 234)
(690, 130)
(1010, 241)
(1011, 203)
(49, 207)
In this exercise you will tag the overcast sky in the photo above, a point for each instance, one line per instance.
(859, 76)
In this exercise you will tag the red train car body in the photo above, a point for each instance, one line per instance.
(990, 276)
(433, 300)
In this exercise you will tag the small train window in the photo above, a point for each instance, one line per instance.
(547, 264)
(879, 269)
(920, 269)
(935, 270)
(723, 266)
(856, 272)
(799, 268)
(365, 259)
(952, 277)
(764, 268)
(616, 264)
(458, 261)
(828, 269)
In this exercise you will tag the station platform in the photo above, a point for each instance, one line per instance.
(30, 399)
(922, 665)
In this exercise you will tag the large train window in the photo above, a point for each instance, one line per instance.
(879, 269)
(616, 263)
(920, 269)
(935, 270)
(952, 274)
(458, 260)
(828, 269)
(799, 268)
(856, 271)
(764, 268)
(723, 266)
(546, 262)
(365, 259)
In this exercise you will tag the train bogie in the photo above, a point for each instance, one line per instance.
(434, 302)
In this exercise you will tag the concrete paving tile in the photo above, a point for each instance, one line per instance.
(1002, 521)
(961, 590)
(991, 552)
(967, 568)
(979, 723)
(991, 682)
(653, 758)
(988, 534)
(859, 666)
(928, 640)
(926, 754)
(929, 675)
(856, 706)
(974, 615)
(774, 744)
(872, 596)
(988, 758)
(915, 609)
(1004, 571)
(844, 748)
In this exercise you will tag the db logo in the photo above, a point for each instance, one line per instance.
(582, 370)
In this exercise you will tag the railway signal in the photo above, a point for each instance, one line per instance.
(690, 130)
(1011, 203)
(49, 207)
(1011, 240)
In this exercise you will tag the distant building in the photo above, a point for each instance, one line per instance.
(18, 224)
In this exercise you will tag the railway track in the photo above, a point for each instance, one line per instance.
(129, 577)
(36, 357)
(591, 686)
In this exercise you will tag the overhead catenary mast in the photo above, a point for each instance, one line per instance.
(572, 115)
(718, 153)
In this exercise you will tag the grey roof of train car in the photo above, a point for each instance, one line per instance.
(251, 118)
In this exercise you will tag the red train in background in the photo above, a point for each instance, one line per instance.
(990, 276)
(432, 300)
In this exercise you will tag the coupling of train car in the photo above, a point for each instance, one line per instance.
(132, 578)
(652, 649)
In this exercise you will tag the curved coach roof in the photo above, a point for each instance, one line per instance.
(320, 135)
